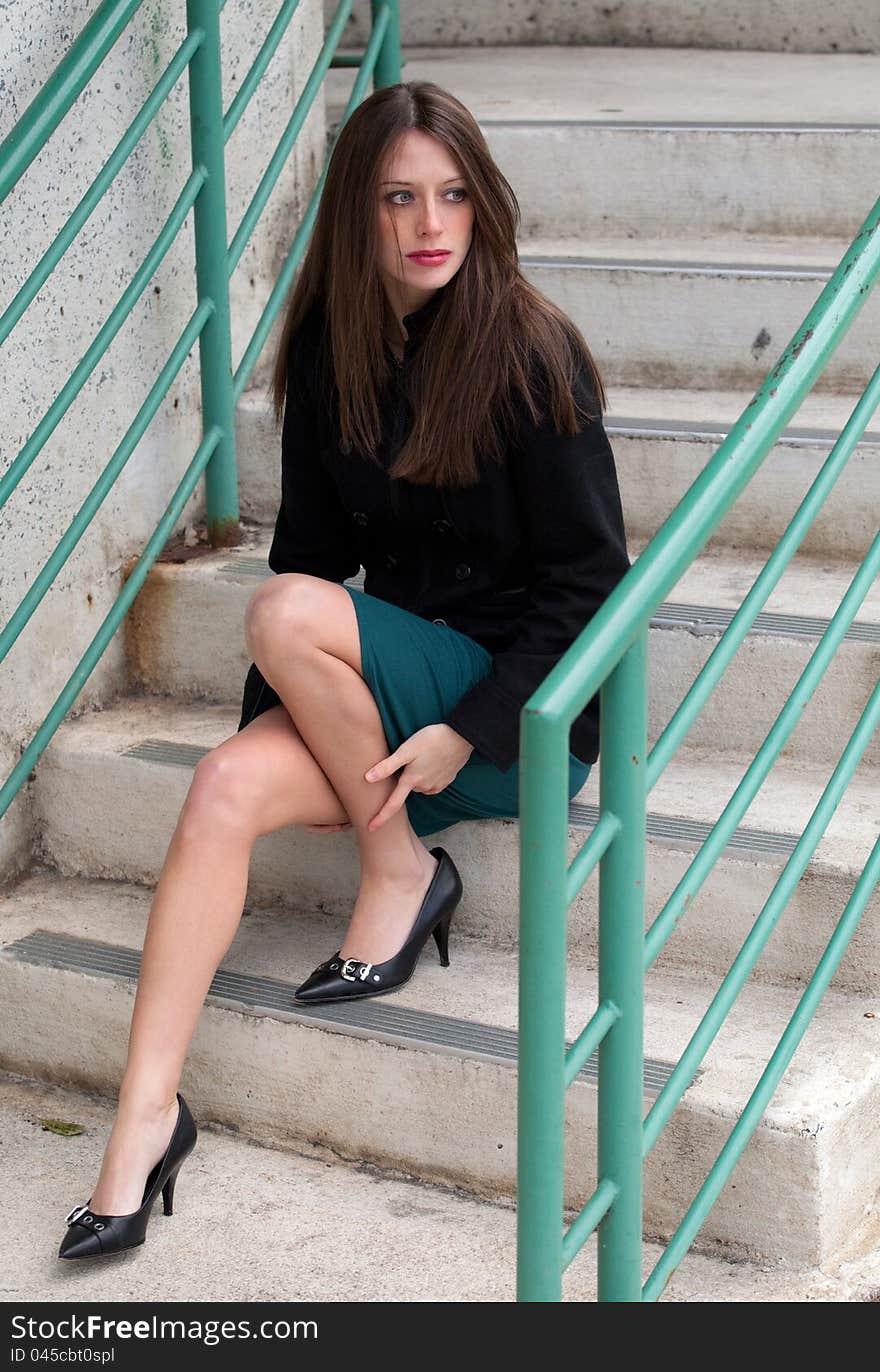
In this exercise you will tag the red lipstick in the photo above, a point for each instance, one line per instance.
(432, 258)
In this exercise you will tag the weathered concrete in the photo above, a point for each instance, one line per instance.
(125, 831)
(787, 25)
(701, 143)
(804, 1190)
(427, 1242)
(52, 336)
(662, 440)
(186, 635)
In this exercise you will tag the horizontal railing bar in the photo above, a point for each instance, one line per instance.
(770, 1078)
(347, 59)
(590, 853)
(102, 486)
(291, 131)
(59, 245)
(52, 101)
(111, 622)
(686, 1069)
(589, 1038)
(590, 659)
(105, 335)
(582, 1227)
(258, 67)
(810, 507)
(685, 893)
(285, 276)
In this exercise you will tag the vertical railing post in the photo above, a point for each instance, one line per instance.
(623, 747)
(212, 276)
(543, 839)
(387, 69)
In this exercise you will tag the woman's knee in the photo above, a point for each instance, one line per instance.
(225, 793)
(279, 613)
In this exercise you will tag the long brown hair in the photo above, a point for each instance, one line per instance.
(491, 328)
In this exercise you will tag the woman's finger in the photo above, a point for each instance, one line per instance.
(392, 804)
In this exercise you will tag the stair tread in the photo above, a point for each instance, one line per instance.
(599, 84)
(830, 1075)
(745, 251)
(403, 1216)
(710, 409)
(695, 786)
(812, 585)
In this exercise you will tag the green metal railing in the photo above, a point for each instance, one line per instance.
(205, 193)
(610, 656)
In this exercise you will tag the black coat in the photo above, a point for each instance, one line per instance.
(520, 562)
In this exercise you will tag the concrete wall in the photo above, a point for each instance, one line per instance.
(780, 26)
(58, 327)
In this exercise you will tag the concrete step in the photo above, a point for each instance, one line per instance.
(701, 143)
(676, 431)
(135, 764)
(787, 26)
(710, 315)
(426, 1242)
(434, 1068)
(186, 637)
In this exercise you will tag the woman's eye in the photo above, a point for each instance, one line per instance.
(458, 191)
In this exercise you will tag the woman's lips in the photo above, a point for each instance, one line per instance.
(429, 259)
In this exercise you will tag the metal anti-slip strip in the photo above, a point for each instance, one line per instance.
(688, 831)
(376, 1019)
(708, 618)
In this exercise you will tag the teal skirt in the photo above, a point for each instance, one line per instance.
(417, 670)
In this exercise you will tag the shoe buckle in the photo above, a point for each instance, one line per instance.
(352, 970)
(75, 1214)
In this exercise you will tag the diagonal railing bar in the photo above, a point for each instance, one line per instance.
(291, 262)
(685, 893)
(105, 178)
(770, 1078)
(104, 337)
(96, 496)
(799, 526)
(258, 67)
(33, 129)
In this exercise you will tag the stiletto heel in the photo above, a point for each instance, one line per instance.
(347, 979)
(90, 1235)
(441, 938)
(168, 1193)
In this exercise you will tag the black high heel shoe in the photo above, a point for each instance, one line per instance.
(93, 1236)
(347, 979)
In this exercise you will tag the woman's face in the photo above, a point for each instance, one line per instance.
(424, 204)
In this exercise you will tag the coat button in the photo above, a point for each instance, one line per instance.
(442, 526)
(390, 562)
(344, 446)
(439, 621)
(359, 517)
(462, 571)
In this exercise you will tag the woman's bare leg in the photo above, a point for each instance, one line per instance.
(303, 634)
(259, 780)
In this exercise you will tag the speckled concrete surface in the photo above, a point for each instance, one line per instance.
(804, 1189)
(258, 1224)
(788, 25)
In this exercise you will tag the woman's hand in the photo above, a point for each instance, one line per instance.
(431, 758)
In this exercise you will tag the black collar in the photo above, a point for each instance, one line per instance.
(417, 321)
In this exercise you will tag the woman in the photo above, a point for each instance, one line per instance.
(432, 435)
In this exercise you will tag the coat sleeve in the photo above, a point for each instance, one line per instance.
(569, 502)
(312, 530)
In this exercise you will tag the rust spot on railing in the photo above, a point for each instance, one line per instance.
(798, 346)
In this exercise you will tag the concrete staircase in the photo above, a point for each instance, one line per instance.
(685, 207)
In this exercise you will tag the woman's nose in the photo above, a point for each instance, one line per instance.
(430, 221)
